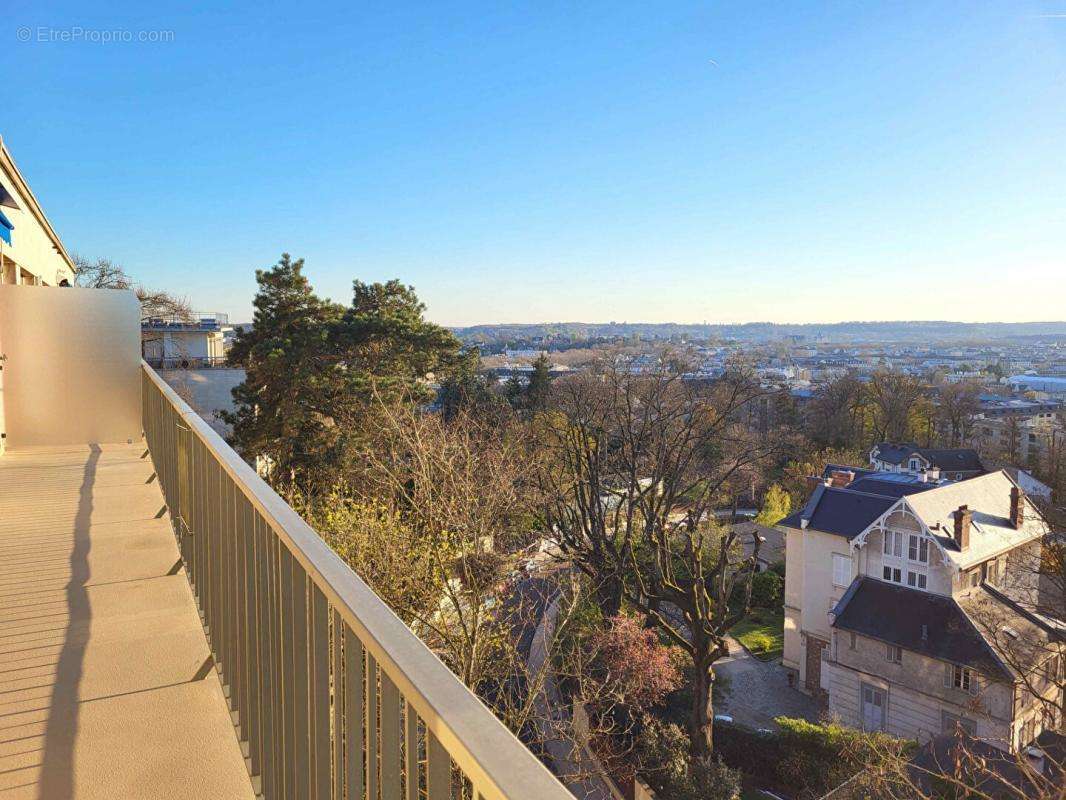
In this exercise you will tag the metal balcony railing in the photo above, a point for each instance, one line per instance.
(332, 695)
(185, 362)
(199, 320)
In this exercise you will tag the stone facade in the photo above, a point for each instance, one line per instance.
(917, 690)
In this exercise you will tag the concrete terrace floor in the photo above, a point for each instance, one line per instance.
(105, 687)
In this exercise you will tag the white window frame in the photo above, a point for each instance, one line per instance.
(894, 654)
(919, 545)
(964, 679)
(842, 566)
(898, 565)
(893, 544)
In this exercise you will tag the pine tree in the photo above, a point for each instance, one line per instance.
(315, 370)
(467, 389)
(387, 346)
(514, 392)
(539, 385)
(281, 410)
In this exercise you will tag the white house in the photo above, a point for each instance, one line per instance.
(886, 584)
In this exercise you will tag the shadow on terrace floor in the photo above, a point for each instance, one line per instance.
(100, 642)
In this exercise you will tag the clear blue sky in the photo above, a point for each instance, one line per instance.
(557, 161)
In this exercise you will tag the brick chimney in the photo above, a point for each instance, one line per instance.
(962, 527)
(841, 477)
(1017, 507)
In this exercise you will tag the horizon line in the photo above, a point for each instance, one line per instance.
(765, 322)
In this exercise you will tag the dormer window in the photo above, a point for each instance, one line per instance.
(915, 465)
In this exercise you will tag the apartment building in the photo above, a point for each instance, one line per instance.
(1027, 440)
(193, 340)
(31, 252)
(891, 583)
(1052, 386)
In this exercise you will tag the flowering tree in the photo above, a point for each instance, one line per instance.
(640, 670)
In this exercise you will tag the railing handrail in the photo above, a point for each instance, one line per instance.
(185, 362)
(501, 766)
(190, 319)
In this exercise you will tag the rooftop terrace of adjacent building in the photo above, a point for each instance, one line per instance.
(192, 320)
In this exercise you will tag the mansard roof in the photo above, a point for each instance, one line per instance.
(921, 622)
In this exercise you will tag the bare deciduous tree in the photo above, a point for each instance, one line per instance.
(106, 274)
(637, 465)
(897, 403)
(459, 486)
(438, 521)
(953, 767)
(836, 413)
(957, 405)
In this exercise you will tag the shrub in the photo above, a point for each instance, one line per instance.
(580, 625)
(707, 779)
(639, 669)
(747, 750)
(766, 588)
(818, 757)
(662, 756)
(778, 568)
(661, 751)
(804, 759)
(759, 642)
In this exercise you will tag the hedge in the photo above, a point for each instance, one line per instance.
(803, 760)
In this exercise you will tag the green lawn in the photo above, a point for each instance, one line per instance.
(762, 632)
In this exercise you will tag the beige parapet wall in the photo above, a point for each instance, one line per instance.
(71, 366)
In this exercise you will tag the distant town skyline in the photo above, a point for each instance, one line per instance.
(683, 163)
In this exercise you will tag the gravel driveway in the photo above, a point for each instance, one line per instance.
(759, 691)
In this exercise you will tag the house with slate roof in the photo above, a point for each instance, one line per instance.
(891, 580)
(956, 464)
